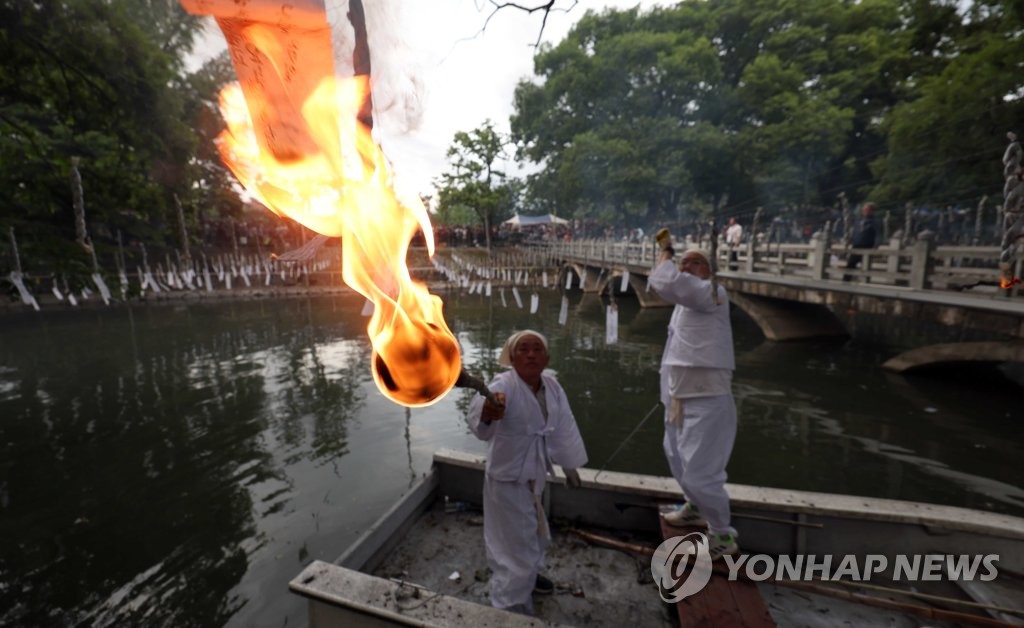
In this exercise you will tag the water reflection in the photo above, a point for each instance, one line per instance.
(179, 464)
(128, 465)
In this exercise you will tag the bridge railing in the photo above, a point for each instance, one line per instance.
(921, 265)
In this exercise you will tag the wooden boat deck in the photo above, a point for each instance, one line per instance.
(594, 586)
(424, 565)
(721, 603)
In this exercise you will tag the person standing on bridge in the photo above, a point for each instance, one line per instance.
(864, 236)
(733, 235)
(696, 389)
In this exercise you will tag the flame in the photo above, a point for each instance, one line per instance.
(332, 177)
(1005, 283)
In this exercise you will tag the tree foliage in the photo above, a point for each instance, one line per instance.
(475, 179)
(101, 80)
(719, 107)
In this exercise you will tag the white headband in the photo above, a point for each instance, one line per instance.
(701, 252)
(505, 359)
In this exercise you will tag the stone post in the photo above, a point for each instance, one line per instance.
(921, 266)
(908, 216)
(818, 258)
(892, 262)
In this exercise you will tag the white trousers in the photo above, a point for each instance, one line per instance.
(698, 450)
(515, 542)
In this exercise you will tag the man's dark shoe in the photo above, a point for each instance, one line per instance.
(543, 586)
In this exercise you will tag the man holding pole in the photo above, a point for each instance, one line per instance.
(696, 389)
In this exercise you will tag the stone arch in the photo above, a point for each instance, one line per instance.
(931, 355)
(788, 320)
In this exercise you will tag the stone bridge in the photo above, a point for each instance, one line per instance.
(796, 291)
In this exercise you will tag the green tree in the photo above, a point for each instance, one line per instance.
(213, 191)
(945, 143)
(475, 180)
(725, 105)
(118, 108)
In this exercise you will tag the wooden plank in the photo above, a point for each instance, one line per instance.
(720, 603)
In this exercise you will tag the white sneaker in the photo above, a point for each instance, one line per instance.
(685, 517)
(722, 545)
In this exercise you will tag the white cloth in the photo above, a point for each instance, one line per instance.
(699, 333)
(697, 381)
(698, 449)
(733, 235)
(523, 446)
(700, 429)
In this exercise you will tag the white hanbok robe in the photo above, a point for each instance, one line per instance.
(523, 446)
(698, 444)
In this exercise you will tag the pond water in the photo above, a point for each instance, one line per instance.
(177, 464)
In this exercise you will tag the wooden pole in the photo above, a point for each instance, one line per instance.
(14, 250)
(714, 262)
(186, 253)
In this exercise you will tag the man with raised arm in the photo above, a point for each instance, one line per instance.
(696, 388)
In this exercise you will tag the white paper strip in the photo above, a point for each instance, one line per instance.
(102, 286)
(534, 302)
(568, 279)
(625, 281)
(563, 312)
(611, 324)
(544, 278)
(26, 296)
(515, 295)
(488, 288)
(503, 304)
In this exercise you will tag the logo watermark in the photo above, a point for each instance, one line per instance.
(682, 566)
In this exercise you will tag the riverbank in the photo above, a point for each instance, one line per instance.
(318, 287)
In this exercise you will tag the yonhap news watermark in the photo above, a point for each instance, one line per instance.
(682, 566)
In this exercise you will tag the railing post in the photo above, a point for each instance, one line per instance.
(892, 262)
(819, 255)
(921, 267)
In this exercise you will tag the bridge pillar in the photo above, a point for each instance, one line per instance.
(788, 320)
(591, 279)
(647, 298)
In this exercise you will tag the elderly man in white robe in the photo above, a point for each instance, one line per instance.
(696, 388)
(533, 429)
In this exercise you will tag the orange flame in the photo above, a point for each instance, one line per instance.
(332, 177)
(1005, 283)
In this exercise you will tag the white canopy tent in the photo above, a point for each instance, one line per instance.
(529, 221)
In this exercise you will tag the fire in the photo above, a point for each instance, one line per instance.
(1005, 283)
(318, 165)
